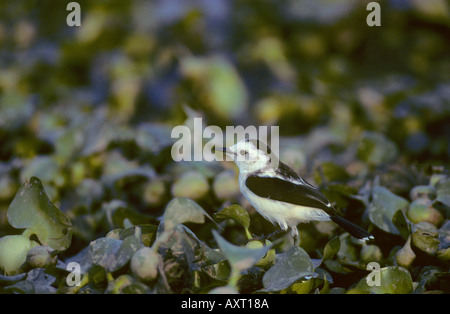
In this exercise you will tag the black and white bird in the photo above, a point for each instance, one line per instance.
(279, 194)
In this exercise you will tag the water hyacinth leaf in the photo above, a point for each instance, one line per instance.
(235, 212)
(15, 109)
(117, 167)
(31, 209)
(436, 10)
(401, 223)
(218, 77)
(240, 258)
(331, 249)
(42, 280)
(376, 149)
(392, 279)
(129, 246)
(289, 267)
(422, 191)
(330, 172)
(103, 251)
(405, 256)
(148, 233)
(444, 235)
(117, 212)
(83, 258)
(191, 184)
(425, 241)
(44, 167)
(224, 290)
(347, 250)
(9, 280)
(226, 186)
(22, 287)
(181, 210)
(303, 287)
(444, 254)
(383, 207)
(113, 254)
(443, 193)
(13, 252)
(153, 137)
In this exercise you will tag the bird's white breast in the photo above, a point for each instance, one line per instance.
(285, 214)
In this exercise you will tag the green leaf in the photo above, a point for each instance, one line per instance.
(103, 253)
(383, 207)
(217, 76)
(32, 210)
(148, 233)
(235, 212)
(240, 258)
(289, 267)
(117, 167)
(13, 252)
(330, 172)
(191, 184)
(401, 223)
(443, 193)
(113, 254)
(44, 167)
(392, 279)
(376, 149)
(181, 210)
(331, 249)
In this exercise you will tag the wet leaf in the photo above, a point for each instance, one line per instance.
(148, 233)
(191, 184)
(153, 137)
(331, 248)
(218, 76)
(226, 186)
(31, 209)
(423, 210)
(383, 207)
(240, 258)
(376, 149)
(181, 210)
(117, 167)
(425, 241)
(113, 254)
(235, 212)
(289, 267)
(329, 252)
(392, 279)
(405, 256)
(44, 167)
(330, 172)
(42, 280)
(13, 252)
(24, 287)
(443, 193)
(401, 223)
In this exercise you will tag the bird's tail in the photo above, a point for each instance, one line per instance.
(351, 228)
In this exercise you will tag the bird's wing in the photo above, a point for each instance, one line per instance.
(285, 171)
(285, 191)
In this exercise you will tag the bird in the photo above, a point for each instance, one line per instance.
(279, 194)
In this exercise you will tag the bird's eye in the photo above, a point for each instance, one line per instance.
(243, 153)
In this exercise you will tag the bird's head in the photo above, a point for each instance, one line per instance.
(250, 155)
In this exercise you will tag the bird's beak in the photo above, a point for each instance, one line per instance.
(223, 150)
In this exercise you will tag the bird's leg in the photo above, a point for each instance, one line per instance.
(295, 236)
(263, 238)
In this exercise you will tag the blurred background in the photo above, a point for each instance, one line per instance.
(89, 110)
